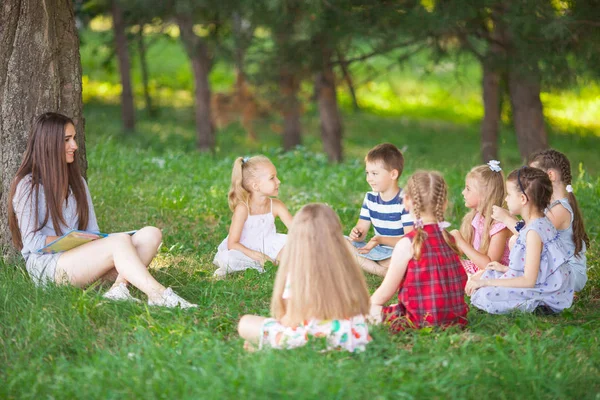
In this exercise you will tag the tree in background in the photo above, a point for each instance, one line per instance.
(36, 76)
(198, 49)
(122, 51)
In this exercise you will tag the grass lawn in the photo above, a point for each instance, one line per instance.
(67, 343)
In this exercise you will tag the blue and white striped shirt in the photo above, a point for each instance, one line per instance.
(387, 217)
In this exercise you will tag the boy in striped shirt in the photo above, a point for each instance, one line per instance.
(383, 208)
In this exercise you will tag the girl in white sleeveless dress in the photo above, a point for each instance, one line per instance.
(252, 238)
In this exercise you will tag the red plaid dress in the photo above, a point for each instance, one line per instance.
(433, 289)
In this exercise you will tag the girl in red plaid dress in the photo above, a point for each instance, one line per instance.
(425, 268)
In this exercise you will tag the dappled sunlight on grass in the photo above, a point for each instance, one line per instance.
(110, 93)
(574, 109)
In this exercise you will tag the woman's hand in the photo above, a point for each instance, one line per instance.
(473, 284)
(496, 266)
(374, 317)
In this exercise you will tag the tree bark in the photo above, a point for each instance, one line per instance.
(348, 79)
(198, 53)
(127, 106)
(292, 128)
(144, 68)
(490, 124)
(40, 71)
(331, 122)
(528, 114)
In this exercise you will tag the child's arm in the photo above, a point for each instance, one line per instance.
(359, 232)
(533, 253)
(495, 249)
(281, 211)
(384, 240)
(559, 216)
(400, 257)
(240, 215)
(504, 216)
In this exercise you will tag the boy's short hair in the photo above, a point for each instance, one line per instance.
(389, 155)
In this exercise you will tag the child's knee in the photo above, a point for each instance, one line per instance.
(243, 325)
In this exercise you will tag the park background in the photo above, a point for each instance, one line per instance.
(417, 80)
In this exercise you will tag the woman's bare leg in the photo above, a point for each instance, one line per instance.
(146, 242)
(87, 263)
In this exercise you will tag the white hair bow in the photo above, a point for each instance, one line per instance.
(569, 188)
(444, 225)
(494, 165)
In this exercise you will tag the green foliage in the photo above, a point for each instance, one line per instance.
(63, 342)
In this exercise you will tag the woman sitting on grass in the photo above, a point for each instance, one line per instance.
(49, 197)
(314, 296)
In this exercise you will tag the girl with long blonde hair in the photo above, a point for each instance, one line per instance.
(252, 238)
(425, 268)
(314, 297)
(481, 238)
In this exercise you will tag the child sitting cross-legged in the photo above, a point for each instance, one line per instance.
(314, 297)
(425, 269)
(383, 208)
(538, 274)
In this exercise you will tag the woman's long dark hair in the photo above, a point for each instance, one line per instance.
(46, 161)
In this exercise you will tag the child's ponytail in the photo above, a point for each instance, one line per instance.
(552, 159)
(245, 169)
(237, 193)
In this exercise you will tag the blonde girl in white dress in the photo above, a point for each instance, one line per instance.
(252, 238)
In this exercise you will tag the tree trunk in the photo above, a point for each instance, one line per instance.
(40, 71)
(292, 128)
(490, 124)
(527, 110)
(331, 122)
(197, 51)
(348, 80)
(144, 68)
(127, 107)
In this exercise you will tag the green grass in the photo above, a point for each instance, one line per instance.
(66, 343)
(62, 342)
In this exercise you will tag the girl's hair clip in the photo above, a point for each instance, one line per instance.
(520, 225)
(494, 165)
(245, 160)
(569, 188)
(419, 223)
(444, 225)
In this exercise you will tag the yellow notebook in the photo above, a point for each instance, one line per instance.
(72, 239)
